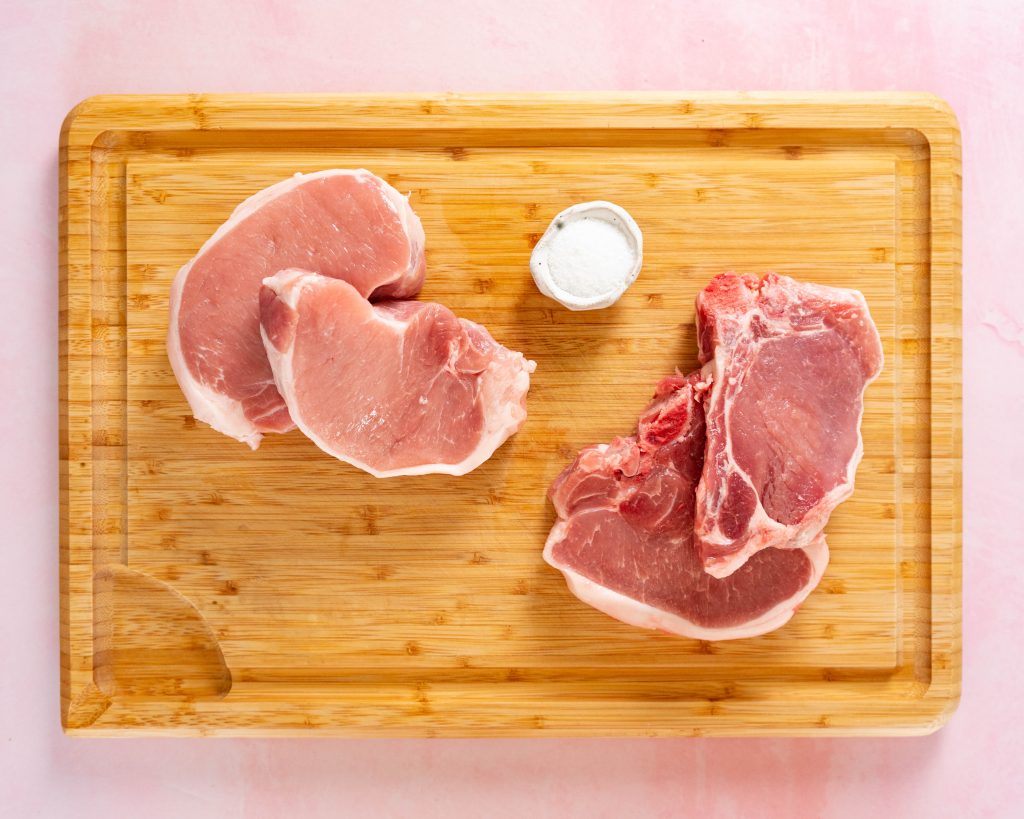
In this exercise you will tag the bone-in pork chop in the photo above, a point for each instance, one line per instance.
(788, 364)
(624, 536)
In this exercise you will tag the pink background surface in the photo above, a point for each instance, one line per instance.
(53, 54)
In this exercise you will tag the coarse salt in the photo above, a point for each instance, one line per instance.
(589, 255)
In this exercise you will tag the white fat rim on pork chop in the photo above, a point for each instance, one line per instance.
(222, 413)
(499, 427)
(209, 406)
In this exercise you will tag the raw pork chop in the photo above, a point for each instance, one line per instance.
(394, 388)
(624, 536)
(788, 363)
(347, 224)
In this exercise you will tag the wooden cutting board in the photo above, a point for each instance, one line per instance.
(206, 589)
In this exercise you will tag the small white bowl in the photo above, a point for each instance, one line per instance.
(589, 256)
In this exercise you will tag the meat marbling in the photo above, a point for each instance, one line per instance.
(393, 388)
(788, 363)
(341, 223)
(624, 535)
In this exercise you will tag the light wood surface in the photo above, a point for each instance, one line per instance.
(206, 589)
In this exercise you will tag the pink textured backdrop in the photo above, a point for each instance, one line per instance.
(53, 54)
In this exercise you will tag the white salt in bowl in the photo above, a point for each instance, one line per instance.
(589, 256)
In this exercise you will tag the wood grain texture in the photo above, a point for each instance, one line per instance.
(206, 589)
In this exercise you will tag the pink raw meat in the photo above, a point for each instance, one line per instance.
(394, 388)
(346, 224)
(788, 363)
(624, 536)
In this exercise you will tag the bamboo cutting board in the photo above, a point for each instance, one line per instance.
(206, 589)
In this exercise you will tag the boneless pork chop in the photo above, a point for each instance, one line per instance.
(624, 536)
(393, 388)
(788, 363)
(341, 223)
